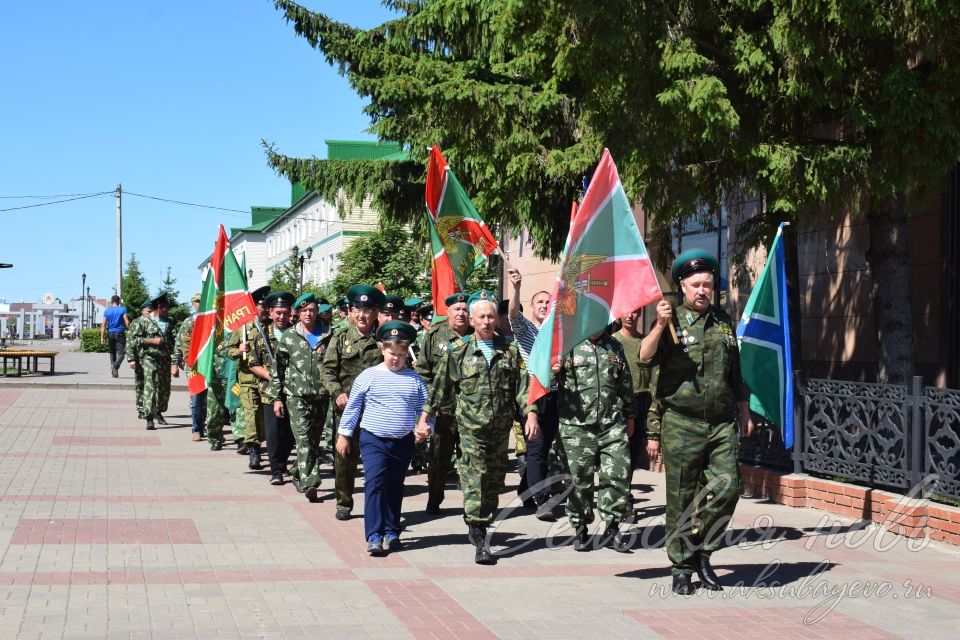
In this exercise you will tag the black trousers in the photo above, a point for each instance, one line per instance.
(279, 438)
(638, 453)
(118, 346)
(538, 451)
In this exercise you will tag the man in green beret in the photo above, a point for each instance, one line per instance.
(238, 348)
(276, 428)
(485, 376)
(436, 342)
(349, 353)
(699, 397)
(150, 343)
(295, 376)
(181, 350)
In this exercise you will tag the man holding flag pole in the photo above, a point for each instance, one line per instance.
(699, 396)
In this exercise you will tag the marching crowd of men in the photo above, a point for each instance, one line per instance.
(618, 394)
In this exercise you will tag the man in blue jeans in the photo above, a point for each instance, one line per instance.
(115, 323)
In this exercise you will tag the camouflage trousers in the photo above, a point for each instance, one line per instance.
(702, 472)
(582, 444)
(138, 386)
(216, 412)
(345, 470)
(156, 386)
(483, 468)
(250, 401)
(329, 433)
(521, 443)
(307, 415)
(440, 457)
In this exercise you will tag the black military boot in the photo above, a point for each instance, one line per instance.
(483, 554)
(682, 584)
(216, 446)
(254, 450)
(476, 534)
(708, 579)
(150, 426)
(242, 448)
(161, 419)
(581, 539)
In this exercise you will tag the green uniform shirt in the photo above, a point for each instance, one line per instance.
(181, 347)
(484, 394)
(296, 367)
(700, 377)
(143, 328)
(349, 353)
(631, 350)
(258, 356)
(244, 376)
(436, 342)
(594, 385)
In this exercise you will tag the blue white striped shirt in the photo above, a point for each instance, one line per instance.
(525, 333)
(385, 403)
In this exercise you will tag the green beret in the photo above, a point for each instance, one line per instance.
(146, 305)
(391, 303)
(278, 299)
(259, 294)
(455, 298)
(306, 298)
(694, 261)
(395, 331)
(323, 305)
(413, 302)
(483, 294)
(363, 296)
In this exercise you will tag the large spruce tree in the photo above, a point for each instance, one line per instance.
(821, 106)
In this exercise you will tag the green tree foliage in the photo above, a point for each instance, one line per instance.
(168, 286)
(134, 287)
(821, 106)
(286, 277)
(386, 256)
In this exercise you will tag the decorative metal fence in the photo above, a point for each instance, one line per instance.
(882, 435)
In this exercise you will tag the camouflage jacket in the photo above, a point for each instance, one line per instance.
(258, 356)
(349, 353)
(181, 347)
(594, 384)
(485, 395)
(296, 367)
(249, 330)
(700, 377)
(436, 342)
(631, 351)
(143, 328)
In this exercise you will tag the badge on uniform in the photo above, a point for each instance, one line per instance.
(690, 339)
(689, 318)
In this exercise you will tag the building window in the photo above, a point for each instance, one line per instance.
(701, 231)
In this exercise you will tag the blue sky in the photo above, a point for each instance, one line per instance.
(171, 99)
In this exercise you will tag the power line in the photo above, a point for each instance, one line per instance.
(188, 204)
(46, 204)
(58, 195)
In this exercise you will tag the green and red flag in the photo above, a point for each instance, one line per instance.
(238, 306)
(605, 273)
(209, 321)
(460, 240)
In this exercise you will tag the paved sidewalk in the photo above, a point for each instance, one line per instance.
(110, 531)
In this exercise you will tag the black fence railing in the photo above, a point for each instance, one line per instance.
(882, 435)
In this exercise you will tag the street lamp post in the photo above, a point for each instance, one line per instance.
(83, 305)
(89, 308)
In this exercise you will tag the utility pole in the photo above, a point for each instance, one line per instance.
(119, 240)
